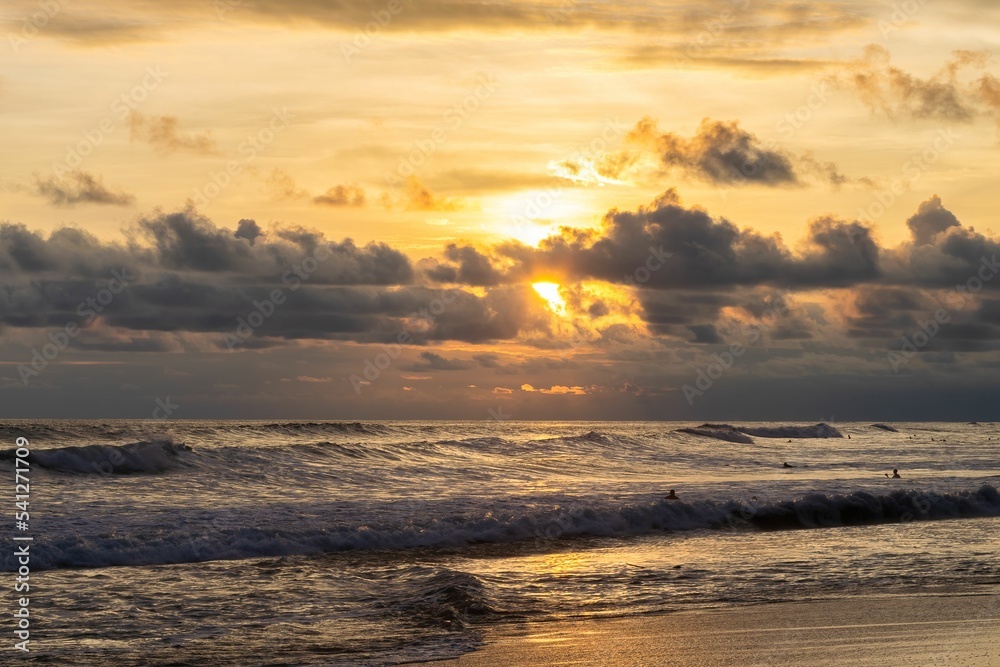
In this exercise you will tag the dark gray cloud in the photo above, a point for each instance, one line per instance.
(186, 275)
(186, 241)
(25, 254)
(719, 152)
(723, 153)
(80, 187)
(696, 277)
(432, 361)
(248, 229)
(930, 220)
(470, 267)
(668, 246)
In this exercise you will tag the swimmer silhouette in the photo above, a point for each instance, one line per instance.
(671, 495)
(895, 474)
(785, 465)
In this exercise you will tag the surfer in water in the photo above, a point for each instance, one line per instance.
(671, 495)
(785, 465)
(895, 474)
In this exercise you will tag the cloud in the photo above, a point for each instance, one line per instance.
(187, 241)
(674, 247)
(686, 249)
(341, 195)
(431, 361)
(470, 267)
(607, 169)
(416, 197)
(80, 188)
(719, 152)
(190, 276)
(690, 28)
(248, 229)
(283, 186)
(943, 96)
(930, 220)
(557, 389)
(723, 153)
(702, 279)
(161, 133)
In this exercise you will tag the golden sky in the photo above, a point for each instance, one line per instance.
(488, 147)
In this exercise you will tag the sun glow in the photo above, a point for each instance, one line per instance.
(550, 292)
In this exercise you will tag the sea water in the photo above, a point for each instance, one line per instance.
(371, 543)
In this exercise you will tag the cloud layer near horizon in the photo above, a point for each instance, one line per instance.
(685, 269)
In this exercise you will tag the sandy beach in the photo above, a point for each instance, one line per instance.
(900, 630)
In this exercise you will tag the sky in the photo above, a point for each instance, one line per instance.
(735, 209)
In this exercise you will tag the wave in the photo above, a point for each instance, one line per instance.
(229, 540)
(719, 432)
(294, 428)
(886, 427)
(137, 457)
(821, 511)
(441, 598)
(740, 433)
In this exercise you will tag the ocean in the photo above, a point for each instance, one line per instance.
(380, 543)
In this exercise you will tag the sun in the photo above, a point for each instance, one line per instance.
(550, 292)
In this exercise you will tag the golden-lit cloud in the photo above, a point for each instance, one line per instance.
(341, 195)
(949, 94)
(161, 132)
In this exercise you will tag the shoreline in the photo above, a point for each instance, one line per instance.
(904, 630)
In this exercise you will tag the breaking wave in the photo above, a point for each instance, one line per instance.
(886, 427)
(229, 540)
(137, 457)
(740, 433)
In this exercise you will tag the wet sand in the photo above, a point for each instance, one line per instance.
(959, 630)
